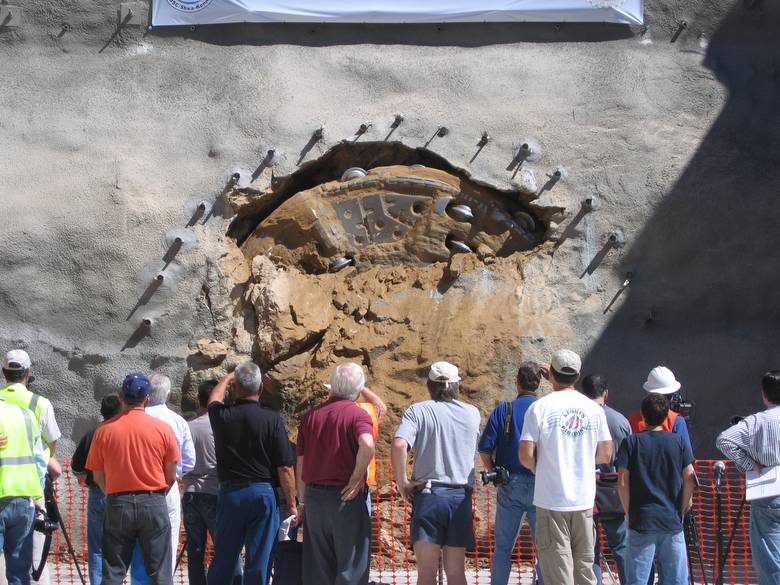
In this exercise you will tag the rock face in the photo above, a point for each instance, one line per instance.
(393, 270)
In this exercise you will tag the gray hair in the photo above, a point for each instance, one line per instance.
(347, 381)
(443, 391)
(161, 389)
(248, 379)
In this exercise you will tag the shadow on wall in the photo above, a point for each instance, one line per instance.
(435, 35)
(704, 298)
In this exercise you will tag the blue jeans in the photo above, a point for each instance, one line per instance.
(512, 501)
(615, 531)
(96, 505)
(669, 550)
(247, 517)
(200, 519)
(16, 521)
(765, 539)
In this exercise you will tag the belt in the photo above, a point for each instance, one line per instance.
(438, 484)
(235, 483)
(140, 493)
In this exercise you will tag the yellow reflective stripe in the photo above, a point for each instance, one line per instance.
(17, 460)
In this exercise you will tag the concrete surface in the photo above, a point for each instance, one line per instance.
(111, 138)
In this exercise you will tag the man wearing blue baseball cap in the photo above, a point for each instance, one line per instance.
(133, 460)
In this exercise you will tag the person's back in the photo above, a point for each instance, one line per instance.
(446, 438)
(752, 444)
(335, 446)
(202, 478)
(498, 448)
(655, 461)
(133, 459)
(656, 483)
(619, 428)
(133, 447)
(330, 459)
(569, 427)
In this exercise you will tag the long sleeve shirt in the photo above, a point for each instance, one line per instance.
(183, 436)
(754, 440)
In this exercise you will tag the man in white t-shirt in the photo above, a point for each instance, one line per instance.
(565, 435)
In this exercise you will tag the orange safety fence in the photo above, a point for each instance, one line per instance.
(392, 561)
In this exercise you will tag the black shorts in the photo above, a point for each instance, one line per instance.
(443, 517)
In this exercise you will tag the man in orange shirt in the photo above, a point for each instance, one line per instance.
(133, 460)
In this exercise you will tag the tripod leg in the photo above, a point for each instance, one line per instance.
(67, 542)
(181, 554)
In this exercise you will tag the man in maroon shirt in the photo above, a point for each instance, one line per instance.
(335, 446)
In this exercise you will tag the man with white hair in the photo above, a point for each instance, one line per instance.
(335, 446)
(252, 447)
(443, 432)
(157, 408)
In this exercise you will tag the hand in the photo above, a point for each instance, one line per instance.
(40, 507)
(3, 441)
(376, 402)
(758, 468)
(54, 469)
(297, 511)
(353, 488)
(544, 369)
(407, 488)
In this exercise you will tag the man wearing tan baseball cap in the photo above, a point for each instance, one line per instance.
(565, 434)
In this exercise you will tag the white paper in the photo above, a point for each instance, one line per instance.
(284, 529)
(762, 485)
(189, 12)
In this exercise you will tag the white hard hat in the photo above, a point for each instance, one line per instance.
(661, 380)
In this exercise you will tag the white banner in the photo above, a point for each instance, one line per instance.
(188, 12)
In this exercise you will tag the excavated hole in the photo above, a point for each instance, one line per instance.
(411, 263)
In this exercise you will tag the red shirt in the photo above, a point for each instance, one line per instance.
(132, 449)
(328, 440)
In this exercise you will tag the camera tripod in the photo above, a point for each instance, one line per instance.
(55, 520)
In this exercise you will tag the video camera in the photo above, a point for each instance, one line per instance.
(685, 408)
(499, 476)
(45, 525)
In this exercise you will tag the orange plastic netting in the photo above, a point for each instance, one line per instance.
(393, 561)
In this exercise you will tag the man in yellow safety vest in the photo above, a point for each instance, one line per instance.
(20, 488)
(17, 371)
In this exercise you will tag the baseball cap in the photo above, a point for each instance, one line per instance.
(136, 386)
(661, 380)
(443, 372)
(16, 359)
(566, 362)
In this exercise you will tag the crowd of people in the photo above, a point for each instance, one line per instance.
(561, 461)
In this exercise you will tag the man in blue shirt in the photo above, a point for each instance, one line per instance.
(498, 446)
(656, 483)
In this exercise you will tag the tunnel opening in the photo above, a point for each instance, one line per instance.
(385, 255)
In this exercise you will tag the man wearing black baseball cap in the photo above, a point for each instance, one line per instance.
(133, 460)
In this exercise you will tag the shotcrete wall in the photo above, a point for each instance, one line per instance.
(110, 138)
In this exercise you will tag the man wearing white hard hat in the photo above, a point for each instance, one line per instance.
(565, 434)
(17, 371)
(443, 433)
(661, 380)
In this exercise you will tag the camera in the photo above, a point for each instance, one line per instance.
(499, 476)
(685, 408)
(45, 525)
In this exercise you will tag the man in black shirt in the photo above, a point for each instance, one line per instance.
(110, 406)
(656, 482)
(250, 443)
